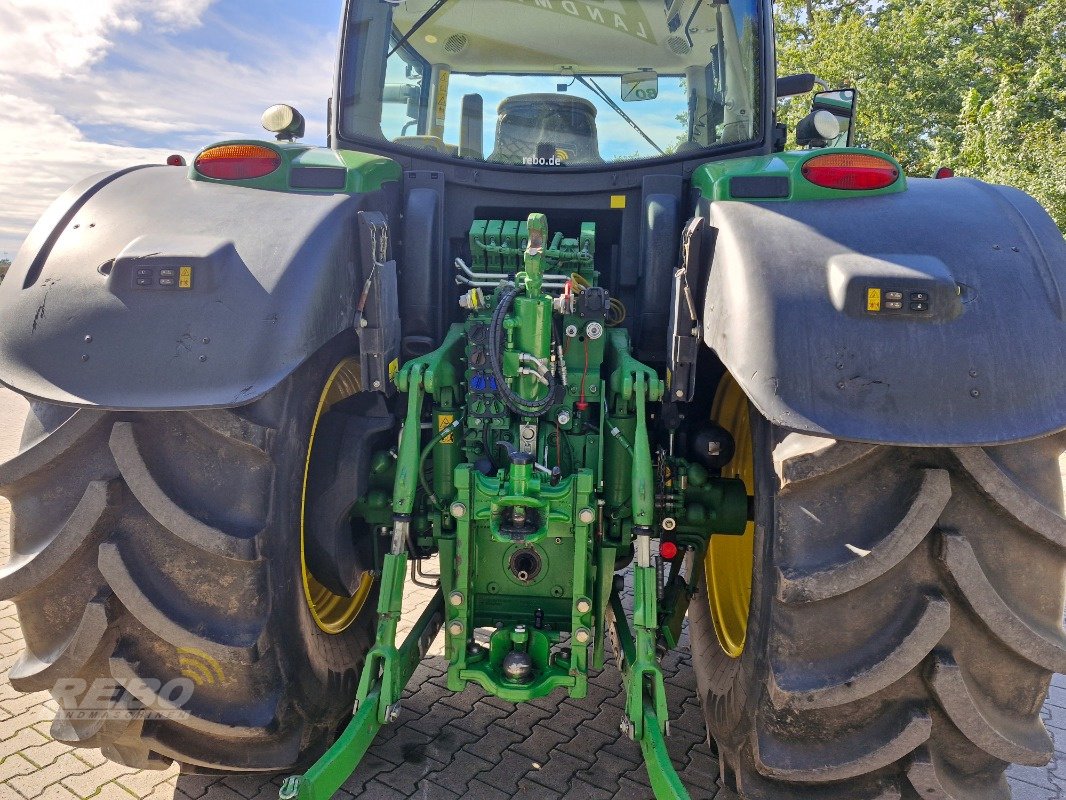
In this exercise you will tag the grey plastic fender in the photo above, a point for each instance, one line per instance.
(272, 279)
(980, 358)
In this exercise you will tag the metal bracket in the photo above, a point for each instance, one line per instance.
(685, 327)
(377, 310)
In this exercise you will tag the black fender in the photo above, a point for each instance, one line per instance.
(788, 310)
(274, 276)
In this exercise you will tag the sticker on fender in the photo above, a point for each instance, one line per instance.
(873, 299)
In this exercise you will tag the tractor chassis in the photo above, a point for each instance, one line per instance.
(576, 527)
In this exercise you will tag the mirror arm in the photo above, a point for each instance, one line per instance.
(790, 85)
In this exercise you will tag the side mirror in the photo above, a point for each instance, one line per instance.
(642, 85)
(408, 93)
(841, 104)
(400, 92)
(284, 121)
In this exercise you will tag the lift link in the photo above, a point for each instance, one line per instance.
(646, 713)
(665, 782)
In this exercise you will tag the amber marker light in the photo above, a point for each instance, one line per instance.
(236, 162)
(850, 171)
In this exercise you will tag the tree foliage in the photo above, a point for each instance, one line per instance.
(976, 86)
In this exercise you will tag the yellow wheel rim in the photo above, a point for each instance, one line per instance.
(729, 560)
(331, 612)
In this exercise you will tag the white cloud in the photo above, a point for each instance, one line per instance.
(48, 47)
(179, 13)
(58, 38)
(191, 94)
(59, 93)
(45, 154)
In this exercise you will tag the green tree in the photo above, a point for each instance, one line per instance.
(977, 87)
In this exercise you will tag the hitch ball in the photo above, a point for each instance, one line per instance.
(518, 667)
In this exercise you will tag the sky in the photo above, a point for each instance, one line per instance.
(88, 86)
(94, 85)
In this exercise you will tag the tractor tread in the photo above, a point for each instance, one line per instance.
(929, 503)
(994, 482)
(155, 546)
(238, 546)
(239, 646)
(237, 428)
(825, 686)
(1019, 740)
(135, 755)
(191, 748)
(933, 779)
(878, 745)
(130, 749)
(33, 674)
(800, 457)
(94, 512)
(36, 456)
(1046, 648)
(846, 682)
(95, 732)
(125, 672)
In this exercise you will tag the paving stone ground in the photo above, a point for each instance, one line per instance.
(445, 746)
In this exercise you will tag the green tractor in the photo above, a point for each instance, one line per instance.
(615, 356)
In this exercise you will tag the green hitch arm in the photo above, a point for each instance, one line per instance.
(651, 714)
(643, 474)
(382, 673)
(408, 451)
(326, 775)
(665, 781)
(642, 671)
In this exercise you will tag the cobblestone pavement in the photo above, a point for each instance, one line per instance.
(445, 745)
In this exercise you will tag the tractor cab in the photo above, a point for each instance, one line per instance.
(595, 112)
(526, 83)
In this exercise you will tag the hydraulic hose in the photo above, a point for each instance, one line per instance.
(515, 402)
(444, 432)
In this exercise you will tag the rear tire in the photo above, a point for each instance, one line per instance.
(906, 617)
(167, 544)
